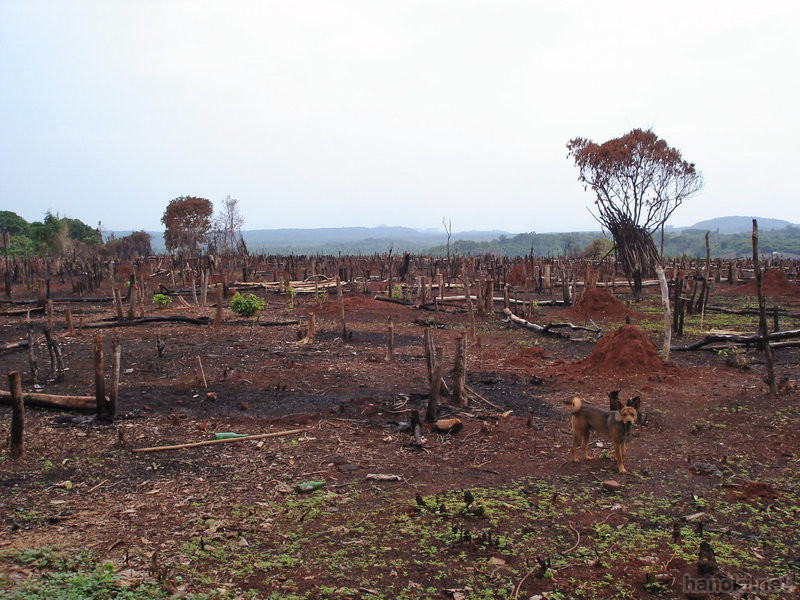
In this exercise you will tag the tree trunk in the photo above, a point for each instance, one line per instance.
(432, 414)
(667, 318)
(17, 441)
(460, 372)
(762, 316)
(99, 377)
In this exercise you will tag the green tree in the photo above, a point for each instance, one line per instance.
(187, 220)
(638, 181)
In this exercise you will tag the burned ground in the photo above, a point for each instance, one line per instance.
(716, 459)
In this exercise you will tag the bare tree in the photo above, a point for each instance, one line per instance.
(448, 229)
(228, 226)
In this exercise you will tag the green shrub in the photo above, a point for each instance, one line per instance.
(246, 306)
(162, 300)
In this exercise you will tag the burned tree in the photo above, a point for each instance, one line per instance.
(639, 181)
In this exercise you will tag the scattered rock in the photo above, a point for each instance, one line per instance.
(611, 486)
(451, 426)
(705, 469)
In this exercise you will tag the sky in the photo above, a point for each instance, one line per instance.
(362, 113)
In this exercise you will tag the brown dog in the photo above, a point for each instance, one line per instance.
(614, 424)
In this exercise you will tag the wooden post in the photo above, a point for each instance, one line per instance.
(31, 355)
(506, 299)
(49, 314)
(390, 349)
(202, 372)
(432, 414)
(17, 441)
(116, 350)
(340, 296)
(70, 325)
(41, 293)
(460, 372)
(115, 293)
(218, 315)
(662, 280)
(194, 289)
(468, 299)
(762, 316)
(99, 377)
(133, 301)
(311, 331)
(489, 297)
(204, 287)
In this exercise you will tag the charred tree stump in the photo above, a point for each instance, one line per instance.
(460, 372)
(218, 314)
(133, 293)
(340, 297)
(116, 350)
(31, 354)
(432, 413)
(17, 438)
(99, 378)
(762, 316)
(69, 324)
(56, 359)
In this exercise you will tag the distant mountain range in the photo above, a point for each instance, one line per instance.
(367, 240)
(740, 224)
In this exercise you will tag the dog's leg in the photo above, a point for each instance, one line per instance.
(586, 444)
(576, 441)
(619, 451)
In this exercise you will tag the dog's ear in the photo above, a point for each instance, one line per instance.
(613, 400)
(635, 402)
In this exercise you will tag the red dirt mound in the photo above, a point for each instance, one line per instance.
(598, 303)
(773, 282)
(626, 349)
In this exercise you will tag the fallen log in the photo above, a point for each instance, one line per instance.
(21, 311)
(547, 329)
(279, 323)
(750, 311)
(83, 403)
(741, 340)
(14, 345)
(220, 441)
(143, 320)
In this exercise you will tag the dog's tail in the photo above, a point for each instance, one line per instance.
(576, 404)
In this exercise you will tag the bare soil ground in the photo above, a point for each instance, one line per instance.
(493, 511)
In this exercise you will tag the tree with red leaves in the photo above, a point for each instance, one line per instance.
(639, 181)
(187, 220)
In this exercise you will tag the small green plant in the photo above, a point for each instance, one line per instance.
(246, 306)
(291, 292)
(162, 300)
(397, 292)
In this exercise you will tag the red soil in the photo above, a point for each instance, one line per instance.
(598, 303)
(773, 283)
(624, 350)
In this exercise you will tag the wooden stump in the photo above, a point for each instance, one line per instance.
(432, 414)
(116, 350)
(460, 372)
(99, 378)
(17, 441)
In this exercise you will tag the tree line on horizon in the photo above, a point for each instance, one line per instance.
(56, 235)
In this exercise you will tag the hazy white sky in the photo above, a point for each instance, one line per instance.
(339, 113)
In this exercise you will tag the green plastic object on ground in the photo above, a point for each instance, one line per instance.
(226, 435)
(309, 486)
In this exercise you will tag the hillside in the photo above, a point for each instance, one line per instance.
(739, 224)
